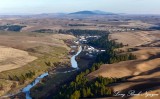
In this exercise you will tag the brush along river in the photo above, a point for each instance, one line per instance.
(74, 64)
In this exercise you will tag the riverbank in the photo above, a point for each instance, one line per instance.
(50, 85)
(56, 78)
(74, 65)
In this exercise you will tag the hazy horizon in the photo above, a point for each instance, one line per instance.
(9, 7)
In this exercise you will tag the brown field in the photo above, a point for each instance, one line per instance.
(136, 38)
(33, 23)
(138, 24)
(13, 53)
(25, 41)
(23, 52)
(146, 61)
(143, 73)
(13, 58)
(148, 95)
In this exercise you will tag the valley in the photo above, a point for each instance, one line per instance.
(118, 53)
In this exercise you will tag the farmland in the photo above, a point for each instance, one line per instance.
(129, 53)
(24, 52)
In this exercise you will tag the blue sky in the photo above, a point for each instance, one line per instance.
(54, 6)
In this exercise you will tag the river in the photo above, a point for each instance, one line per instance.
(74, 64)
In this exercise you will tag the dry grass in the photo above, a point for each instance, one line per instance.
(36, 44)
(134, 67)
(144, 71)
(148, 95)
(138, 24)
(13, 58)
(16, 59)
(25, 41)
(136, 38)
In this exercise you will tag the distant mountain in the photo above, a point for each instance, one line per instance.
(96, 12)
(102, 12)
(83, 12)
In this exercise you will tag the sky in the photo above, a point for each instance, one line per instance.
(67, 6)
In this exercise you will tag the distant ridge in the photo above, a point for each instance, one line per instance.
(83, 12)
(96, 12)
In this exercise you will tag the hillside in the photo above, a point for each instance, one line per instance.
(137, 38)
(22, 53)
(141, 74)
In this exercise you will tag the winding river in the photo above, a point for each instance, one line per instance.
(73, 59)
(74, 64)
(26, 90)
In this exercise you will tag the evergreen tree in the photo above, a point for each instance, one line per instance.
(75, 95)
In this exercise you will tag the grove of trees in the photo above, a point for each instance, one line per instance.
(22, 78)
(78, 32)
(15, 28)
(81, 87)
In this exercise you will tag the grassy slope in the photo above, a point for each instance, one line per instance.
(38, 66)
(144, 72)
(45, 53)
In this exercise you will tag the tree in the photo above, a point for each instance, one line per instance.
(75, 95)
(84, 92)
(93, 69)
(89, 92)
(87, 71)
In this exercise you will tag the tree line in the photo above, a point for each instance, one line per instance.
(78, 32)
(22, 78)
(15, 28)
(105, 43)
(82, 87)
(110, 55)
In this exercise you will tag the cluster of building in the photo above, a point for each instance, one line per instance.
(89, 51)
(84, 39)
(121, 30)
